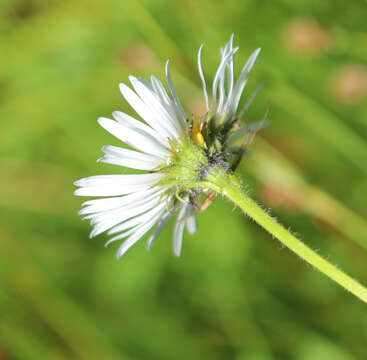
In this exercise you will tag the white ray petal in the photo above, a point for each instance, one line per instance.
(129, 158)
(222, 93)
(222, 79)
(134, 224)
(230, 71)
(174, 94)
(178, 230)
(159, 89)
(242, 80)
(219, 73)
(158, 229)
(152, 101)
(127, 162)
(123, 235)
(128, 179)
(146, 83)
(136, 138)
(202, 77)
(140, 219)
(128, 208)
(132, 123)
(167, 102)
(98, 205)
(142, 109)
(191, 223)
(113, 185)
(122, 215)
(109, 191)
(141, 231)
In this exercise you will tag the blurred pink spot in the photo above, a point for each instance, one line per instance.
(138, 56)
(305, 37)
(348, 84)
(280, 197)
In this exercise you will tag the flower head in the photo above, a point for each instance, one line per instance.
(176, 153)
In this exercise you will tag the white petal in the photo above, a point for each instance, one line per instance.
(242, 80)
(126, 162)
(222, 93)
(174, 94)
(191, 223)
(112, 185)
(178, 230)
(146, 83)
(136, 138)
(167, 102)
(134, 224)
(129, 158)
(133, 230)
(98, 205)
(126, 208)
(128, 179)
(118, 217)
(160, 90)
(137, 220)
(144, 112)
(137, 235)
(230, 70)
(152, 102)
(109, 191)
(132, 123)
(226, 79)
(158, 229)
(202, 77)
(219, 74)
(123, 235)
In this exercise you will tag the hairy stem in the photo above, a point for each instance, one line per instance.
(228, 185)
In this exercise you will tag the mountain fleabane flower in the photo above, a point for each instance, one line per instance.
(176, 153)
(183, 159)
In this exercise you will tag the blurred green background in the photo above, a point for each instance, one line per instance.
(235, 293)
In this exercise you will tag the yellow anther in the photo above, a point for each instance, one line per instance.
(197, 135)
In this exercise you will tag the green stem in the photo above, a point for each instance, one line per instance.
(228, 185)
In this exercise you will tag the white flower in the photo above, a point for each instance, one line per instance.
(175, 154)
(133, 204)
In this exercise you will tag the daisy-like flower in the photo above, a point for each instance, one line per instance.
(176, 153)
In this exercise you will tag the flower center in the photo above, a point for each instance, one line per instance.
(186, 164)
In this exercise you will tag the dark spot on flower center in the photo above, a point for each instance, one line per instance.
(217, 159)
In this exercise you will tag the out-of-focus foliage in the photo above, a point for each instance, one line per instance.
(235, 293)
